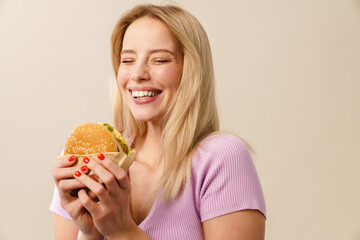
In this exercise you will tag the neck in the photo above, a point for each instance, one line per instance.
(153, 133)
(148, 147)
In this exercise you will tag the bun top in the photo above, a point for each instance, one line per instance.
(90, 138)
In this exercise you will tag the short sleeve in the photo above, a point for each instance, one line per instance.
(225, 177)
(55, 206)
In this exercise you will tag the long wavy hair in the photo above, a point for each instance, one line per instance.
(192, 114)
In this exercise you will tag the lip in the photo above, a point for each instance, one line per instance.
(140, 101)
(142, 88)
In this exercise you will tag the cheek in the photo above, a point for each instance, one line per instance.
(172, 78)
(122, 79)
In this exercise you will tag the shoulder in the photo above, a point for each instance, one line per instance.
(221, 155)
(223, 142)
(224, 136)
(224, 177)
(223, 147)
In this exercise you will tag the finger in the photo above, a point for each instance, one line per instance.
(87, 202)
(63, 168)
(67, 197)
(66, 160)
(106, 176)
(74, 208)
(84, 169)
(62, 173)
(92, 195)
(99, 190)
(68, 189)
(67, 185)
(119, 173)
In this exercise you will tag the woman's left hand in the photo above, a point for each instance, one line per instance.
(111, 214)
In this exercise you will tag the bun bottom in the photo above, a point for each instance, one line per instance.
(121, 159)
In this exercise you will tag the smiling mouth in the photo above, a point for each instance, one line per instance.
(145, 94)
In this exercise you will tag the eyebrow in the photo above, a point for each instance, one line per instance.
(151, 51)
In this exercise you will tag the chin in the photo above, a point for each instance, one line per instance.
(144, 117)
(154, 117)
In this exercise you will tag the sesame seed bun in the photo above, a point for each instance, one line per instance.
(91, 138)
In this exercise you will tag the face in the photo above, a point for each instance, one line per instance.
(150, 69)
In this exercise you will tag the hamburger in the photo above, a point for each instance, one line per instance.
(91, 139)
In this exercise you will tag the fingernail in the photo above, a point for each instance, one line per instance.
(101, 156)
(83, 168)
(86, 160)
(94, 178)
(77, 173)
(71, 158)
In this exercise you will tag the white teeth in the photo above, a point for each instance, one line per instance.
(144, 94)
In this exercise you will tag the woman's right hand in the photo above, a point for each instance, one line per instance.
(68, 188)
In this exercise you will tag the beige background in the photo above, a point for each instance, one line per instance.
(288, 81)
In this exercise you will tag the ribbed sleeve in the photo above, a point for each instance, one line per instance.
(225, 178)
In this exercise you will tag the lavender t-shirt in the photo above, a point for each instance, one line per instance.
(223, 180)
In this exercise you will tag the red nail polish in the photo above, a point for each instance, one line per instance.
(86, 160)
(77, 173)
(71, 158)
(101, 156)
(93, 178)
(83, 168)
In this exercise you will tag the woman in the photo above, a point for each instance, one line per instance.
(188, 180)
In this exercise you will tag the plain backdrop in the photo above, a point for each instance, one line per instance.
(288, 81)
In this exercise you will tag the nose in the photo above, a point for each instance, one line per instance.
(140, 72)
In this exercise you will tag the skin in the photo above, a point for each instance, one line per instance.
(151, 59)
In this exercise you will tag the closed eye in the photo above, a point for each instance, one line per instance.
(162, 61)
(126, 61)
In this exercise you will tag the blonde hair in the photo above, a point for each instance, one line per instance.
(193, 113)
